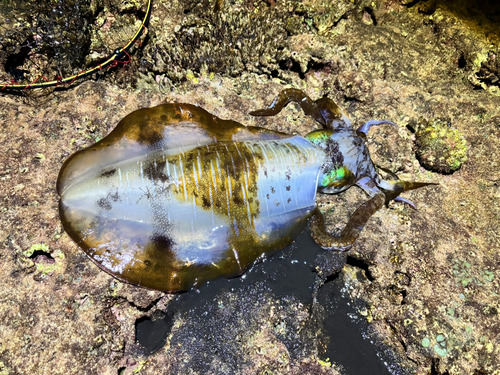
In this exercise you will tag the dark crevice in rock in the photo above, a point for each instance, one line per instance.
(315, 66)
(403, 294)
(462, 62)
(145, 309)
(292, 66)
(488, 74)
(40, 256)
(17, 59)
(395, 330)
(412, 126)
(372, 16)
(148, 307)
(345, 16)
(355, 262)
(399, 339)
(348, 98)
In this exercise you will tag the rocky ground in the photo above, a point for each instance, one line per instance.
(425, 283)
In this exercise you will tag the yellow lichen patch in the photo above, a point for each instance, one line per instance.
(440, 147)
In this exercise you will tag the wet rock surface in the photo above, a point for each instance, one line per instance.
(422, 284)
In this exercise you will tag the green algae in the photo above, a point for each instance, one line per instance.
(442, 352)
(466, 275)
(49, 268)
(441, 340)
(426, 342)
(43, 267)
(440, 147)
(36, 247)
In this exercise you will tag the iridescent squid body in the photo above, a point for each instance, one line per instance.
(174, 196)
